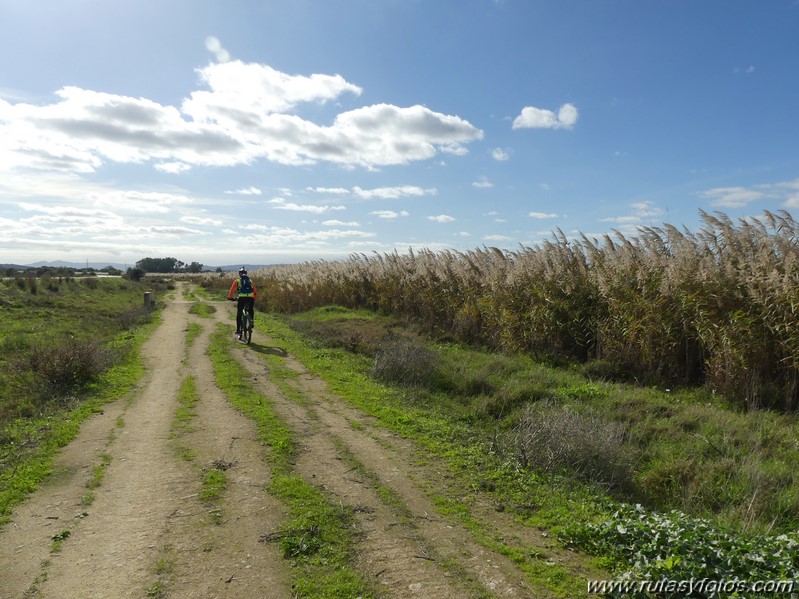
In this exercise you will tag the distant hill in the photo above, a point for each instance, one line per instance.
(79, 265)
(117, 265)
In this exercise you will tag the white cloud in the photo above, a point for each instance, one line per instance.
(786, 192)
(543, 215)
(247, 191)
(646, 209)
(139, 202)
(389, 214)
(282, 205)
(622, 220)
(242, 92)
(732, 197)
(281, 236)
(246, 114)
(483, 183)
(214, 46)
(196, 220)
(640, 212)
(338, 223)
(171, 167)
(790, 191)
(392, 193)
(441, 218)
(329, 190)
(540, 118)
(499, 154)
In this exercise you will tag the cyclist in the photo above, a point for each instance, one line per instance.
(245, 290)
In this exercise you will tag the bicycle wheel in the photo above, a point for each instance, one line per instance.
(247, 333)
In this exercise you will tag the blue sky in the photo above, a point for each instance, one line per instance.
(261, 131)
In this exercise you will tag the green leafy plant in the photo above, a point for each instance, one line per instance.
(647, 545)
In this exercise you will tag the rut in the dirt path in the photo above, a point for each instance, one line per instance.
(406, 548)
(145, 532)
(113, 542)
(219, 554)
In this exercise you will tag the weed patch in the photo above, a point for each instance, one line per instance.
(651, 546)
(555, 439)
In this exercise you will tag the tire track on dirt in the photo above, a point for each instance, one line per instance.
(26, 541)
(226, 559)
(411, 470)
(410, 550)
(145, 513)
(109, 554)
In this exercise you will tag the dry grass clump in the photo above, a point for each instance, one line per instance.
(717, 306)
(404, 361)
(555, 438)
(54, 372)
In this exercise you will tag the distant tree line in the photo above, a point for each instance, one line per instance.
(166, 265)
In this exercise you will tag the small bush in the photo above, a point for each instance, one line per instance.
(134, 317)
(134, 274)
(509, 398)
(404, 361)
(62, 369)
(556, 439)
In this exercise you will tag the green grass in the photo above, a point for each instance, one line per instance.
(691, 451)
(58, 540)
(202, 309)
(186, 410)
(317, 534)
(214, 484)
(96, 478)
(55, 314)
(192, 332)
(444, 429)
(29, 445)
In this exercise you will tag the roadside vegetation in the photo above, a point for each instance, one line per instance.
(635, 397)
(714, 308)
(584, 461)
(67, 346)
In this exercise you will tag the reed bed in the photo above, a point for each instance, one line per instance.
(717, 306)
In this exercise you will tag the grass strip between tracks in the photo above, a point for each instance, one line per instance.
(317, 535)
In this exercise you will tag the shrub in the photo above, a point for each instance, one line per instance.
(134, 274)
(133, 317)
(555, 438)
(62, 369)
(404, 361)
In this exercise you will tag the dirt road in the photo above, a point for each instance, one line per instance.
(143, 530)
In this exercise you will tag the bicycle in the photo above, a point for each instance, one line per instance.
(245, 330)
(246, 326)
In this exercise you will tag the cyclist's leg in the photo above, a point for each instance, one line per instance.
(239, 313)
(251, 306)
